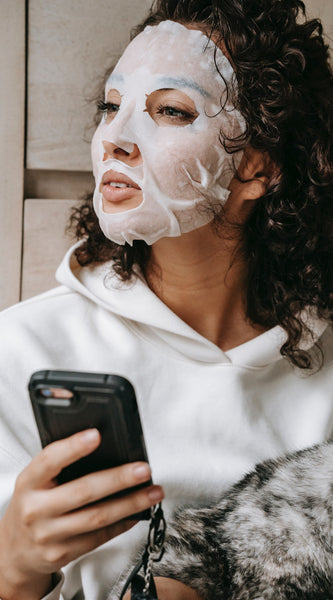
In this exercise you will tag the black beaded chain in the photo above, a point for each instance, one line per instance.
(142, 586)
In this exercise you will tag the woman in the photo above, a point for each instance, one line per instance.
(214, 159)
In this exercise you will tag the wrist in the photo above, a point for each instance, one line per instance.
(14, 581)
(14, 586)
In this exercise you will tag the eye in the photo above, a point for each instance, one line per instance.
(111, 105)
(176, 114)
(171, 108)
(109, 109)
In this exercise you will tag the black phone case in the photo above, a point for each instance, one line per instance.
(104, 401)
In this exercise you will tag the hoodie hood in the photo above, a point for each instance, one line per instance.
(135, 302)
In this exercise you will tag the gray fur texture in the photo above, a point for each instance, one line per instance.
(270, 537)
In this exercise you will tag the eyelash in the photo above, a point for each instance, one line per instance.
(181, 115)
(161, 109)
(107, 107)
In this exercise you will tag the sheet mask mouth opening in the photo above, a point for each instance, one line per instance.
(120, 198)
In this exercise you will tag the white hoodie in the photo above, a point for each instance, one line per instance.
(208, 416)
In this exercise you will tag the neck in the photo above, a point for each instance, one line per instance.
(198, 276)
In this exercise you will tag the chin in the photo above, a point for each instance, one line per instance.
(114, 208)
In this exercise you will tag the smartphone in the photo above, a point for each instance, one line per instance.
(66, 402)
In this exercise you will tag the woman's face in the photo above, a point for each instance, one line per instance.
(159, 136)
(167, 108)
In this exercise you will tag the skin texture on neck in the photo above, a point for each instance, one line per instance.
(193, 277)
(200, 275)
(203, 287)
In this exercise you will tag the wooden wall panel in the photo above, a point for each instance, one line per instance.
(12, 95)
(71, 44)
(46, 183)
(45, 243)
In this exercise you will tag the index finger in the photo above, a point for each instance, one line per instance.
(47, 465)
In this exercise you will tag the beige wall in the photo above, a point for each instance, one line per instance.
(324, 10)
(70, 44)
(12, 82)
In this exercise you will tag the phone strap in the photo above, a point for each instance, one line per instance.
(142, 586)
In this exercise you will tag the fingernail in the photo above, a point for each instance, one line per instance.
(142, 472)
(156, 494)
(90, 435)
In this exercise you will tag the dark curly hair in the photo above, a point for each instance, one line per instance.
(285, 93)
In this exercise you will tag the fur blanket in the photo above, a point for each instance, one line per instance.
(270, 537)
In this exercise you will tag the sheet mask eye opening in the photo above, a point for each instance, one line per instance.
(169, 107)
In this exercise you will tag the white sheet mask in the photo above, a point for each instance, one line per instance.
(182, 170)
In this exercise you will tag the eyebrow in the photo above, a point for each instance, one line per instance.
(115, 77)
(181, 82)
(167, 81)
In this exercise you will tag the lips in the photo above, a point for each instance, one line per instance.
(119, 189)
(114, 177)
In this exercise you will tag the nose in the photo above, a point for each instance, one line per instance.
(130, 154)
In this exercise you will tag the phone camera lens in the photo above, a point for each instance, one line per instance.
(46, 393)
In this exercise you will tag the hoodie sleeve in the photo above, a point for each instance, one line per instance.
(55, 593)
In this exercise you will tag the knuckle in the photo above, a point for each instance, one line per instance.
(123, 477)
(21, 482)
(135, 503)
(98, 518)
(45, 457)
(140, 502)
(29, 512)
(41, 536)
(82, 493)
(56, 556)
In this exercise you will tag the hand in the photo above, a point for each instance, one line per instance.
(170, 589)
(48, 525)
